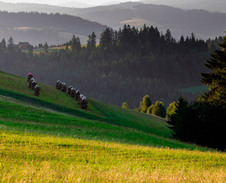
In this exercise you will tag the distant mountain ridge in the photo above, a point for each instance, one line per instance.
(202, 23)
(210, 5)
(53, 28)
(181, 22)
(75, 4)
(31, 7)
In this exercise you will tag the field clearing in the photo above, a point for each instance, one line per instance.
(195, 89)
(32, 158)
(38, 51)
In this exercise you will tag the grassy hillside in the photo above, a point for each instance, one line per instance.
(53, 104)
(50, 139)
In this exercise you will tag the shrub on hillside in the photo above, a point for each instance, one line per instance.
(159, 109)
(146, 102)
(124, 105)
(149, 110)
(171, 109)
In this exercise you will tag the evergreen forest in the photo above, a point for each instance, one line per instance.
(123, 66)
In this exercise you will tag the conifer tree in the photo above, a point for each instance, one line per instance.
(216, 79)
(168, 36)
(146, 102)
(91, 43)
(10, 44)
(178, 119)
(46, 47)
(171, 109)
(3, 44)
(159, 109)
(106, 39)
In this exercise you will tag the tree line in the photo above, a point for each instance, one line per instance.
(130, 63)
(124, 66)
(203, 121)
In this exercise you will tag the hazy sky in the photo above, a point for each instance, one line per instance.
(56, 2)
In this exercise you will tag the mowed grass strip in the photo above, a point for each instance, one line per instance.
(37, 158)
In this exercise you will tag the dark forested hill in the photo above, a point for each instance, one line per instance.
(39, 27)
(203, 23)
(30, 7)
(126, 65)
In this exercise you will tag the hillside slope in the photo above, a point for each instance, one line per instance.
(194, 19)
(181, 22)
(50, 139)
(101, 121)
(53, 28)
(210, 5)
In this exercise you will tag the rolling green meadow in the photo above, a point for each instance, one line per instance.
(50, 139)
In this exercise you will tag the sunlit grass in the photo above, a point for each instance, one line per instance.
(54, 159)
(25, 118)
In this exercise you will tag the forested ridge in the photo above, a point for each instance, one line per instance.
(40, 27)
(126, 65)
(68, 23)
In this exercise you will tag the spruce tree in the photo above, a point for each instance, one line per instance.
(3, 44)
(216, 79)
(146, 102)
(91, 42)
(171, 109)
(177, 121)
(46, 47)
(75, 44)
(10, 44)
(159, 109)
(106, 39)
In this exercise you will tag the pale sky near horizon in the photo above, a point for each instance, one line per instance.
(57, 2)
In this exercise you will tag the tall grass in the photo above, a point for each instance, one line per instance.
(28, 158)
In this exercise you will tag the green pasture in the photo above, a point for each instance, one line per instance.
(50, 139)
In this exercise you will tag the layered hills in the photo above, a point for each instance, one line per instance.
(40, 27)
(201, 22)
